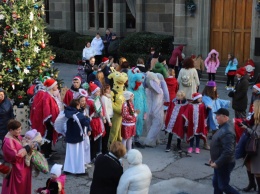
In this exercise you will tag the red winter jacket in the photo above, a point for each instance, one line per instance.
(173, 87)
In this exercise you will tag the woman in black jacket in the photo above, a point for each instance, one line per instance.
(6, 113)
(108, 170)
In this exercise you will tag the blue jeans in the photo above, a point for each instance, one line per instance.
(221, 179)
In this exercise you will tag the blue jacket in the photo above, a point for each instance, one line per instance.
(74, 134)
(232, 65)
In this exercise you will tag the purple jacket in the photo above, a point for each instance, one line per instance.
(211, 65)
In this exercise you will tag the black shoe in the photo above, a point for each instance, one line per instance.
(139, 145)
(168, 148)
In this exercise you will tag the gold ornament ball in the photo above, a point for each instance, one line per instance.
(1, 82)
(21, 7)
(40, 71)
(34, 55)
(45, 60)
(17, 34)
(3, 43)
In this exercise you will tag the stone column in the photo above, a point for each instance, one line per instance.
(78, 16)
(139, 18)
(119, 17)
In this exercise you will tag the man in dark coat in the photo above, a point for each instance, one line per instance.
(239, 102)
(222, 154)
(113, 47)
(6, 113)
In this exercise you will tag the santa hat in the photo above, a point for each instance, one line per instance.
(31, 133)
(105, 60)
(196, 96)
(83, 92)
(56, 169)
(241, 71)
(257, 87)
(50, 83)
(93, 87)
(77, 78)
(127, 95)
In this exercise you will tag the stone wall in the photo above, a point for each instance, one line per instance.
(159, 16)
(60, 15)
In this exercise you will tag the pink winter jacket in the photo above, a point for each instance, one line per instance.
(212, 66)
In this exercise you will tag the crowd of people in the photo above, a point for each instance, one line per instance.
(110, 105)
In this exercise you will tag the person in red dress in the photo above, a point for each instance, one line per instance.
(195, 116)
(129, 115)
(20, 178)
(97, 120)
(174, 121)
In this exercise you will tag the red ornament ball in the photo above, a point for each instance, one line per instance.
(43, 45)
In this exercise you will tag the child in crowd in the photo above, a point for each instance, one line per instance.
(92, 77)
(173, 86)
(128, 120)
(97, 120)
(32, 136)
(85, 110)
(174, 121)
(212, 103)
(107, 103)
(231, 71)
(56, 183)
(195, 116)
(212, 64)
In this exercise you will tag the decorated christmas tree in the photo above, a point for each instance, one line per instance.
(24, 52)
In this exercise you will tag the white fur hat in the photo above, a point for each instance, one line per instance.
(56, 169)
(31, 133)
(134, 157)
(127, 95)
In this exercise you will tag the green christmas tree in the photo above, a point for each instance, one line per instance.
(24, 51)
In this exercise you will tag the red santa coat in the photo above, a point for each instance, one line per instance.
(173, 86)
(70, 95)
(96, 122)
(128, 121)
(44, 106)
(174, 121)
(195, 117)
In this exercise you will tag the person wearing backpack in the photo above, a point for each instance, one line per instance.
(188, 78)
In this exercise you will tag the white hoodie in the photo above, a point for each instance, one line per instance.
(88, 52)
(97, 45)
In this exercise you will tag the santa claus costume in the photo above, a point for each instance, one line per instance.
(73, 92)
(44, 111)
(129, 115)
(97, 119)
(174, 121)
(195, 117)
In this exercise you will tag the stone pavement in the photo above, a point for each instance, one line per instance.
(172, 174)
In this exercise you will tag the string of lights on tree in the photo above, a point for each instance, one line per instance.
(24, 51)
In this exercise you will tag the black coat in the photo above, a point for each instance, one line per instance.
(6, 113)
(107, 173)
(222, 146)
(239, 102)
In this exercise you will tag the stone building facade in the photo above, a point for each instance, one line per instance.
(169, 17)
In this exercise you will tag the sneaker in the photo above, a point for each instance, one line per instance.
(197, 150)
(206, 146)
(168, 148)
(139, 145)
(232, 88)
(227, 87)
(190, 150)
